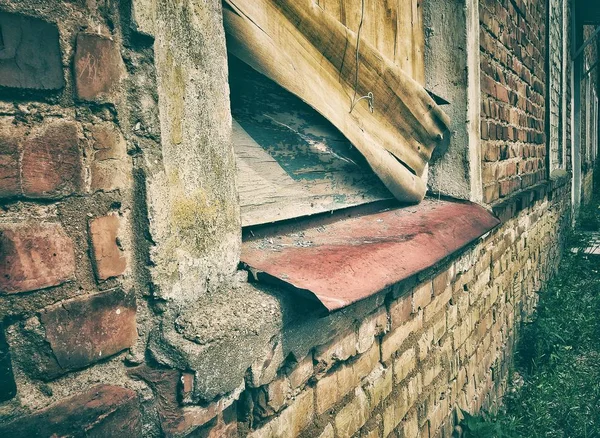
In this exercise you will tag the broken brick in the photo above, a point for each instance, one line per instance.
(51, 164)
(110, 169)
(109, 259)
(34, 257)
(89, 328)
(98, 67)
(31, 56)
(102, 411)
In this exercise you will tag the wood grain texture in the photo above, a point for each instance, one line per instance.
(310, 53)
(291, 161)
(393, 27)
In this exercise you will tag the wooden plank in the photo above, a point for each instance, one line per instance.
(304, 49)
(291, 161)
(418, 42)
(404, 37)
(393, 27)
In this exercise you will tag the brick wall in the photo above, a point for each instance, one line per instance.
(513, 144)
(67, 302)
(121, 312)
(443, 342)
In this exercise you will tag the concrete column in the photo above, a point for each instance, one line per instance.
(193, 206)
(452, 72)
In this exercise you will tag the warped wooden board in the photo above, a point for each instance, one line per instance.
(291, 161)
(393, 27)
(311, 54)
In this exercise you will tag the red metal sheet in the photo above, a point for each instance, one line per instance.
(348, 260)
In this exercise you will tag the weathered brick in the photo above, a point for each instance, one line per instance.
(224, 425)
(373, 325)
(109, 258)
(98, 67)
(410, 427)
(436, 306)
(277, 393)
(378, 385)
(10, 174)
(491, 152)
(34, 257)
(110, 169)
(104, 410)
(328, 432)
(295, 418)
(31, 57)
(366, 362)
(442, 281)
(404, 365)
(89, 328)
(352, 416)
(338, 350)
(176, 420)
(491, 193)
(301, 372)
(392, 341)
(51, 162)
(400, 311)
(422, 296)
(333, 387)
(264, 369)
(424, 343)
(394, 412)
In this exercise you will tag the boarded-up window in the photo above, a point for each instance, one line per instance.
(359, 63)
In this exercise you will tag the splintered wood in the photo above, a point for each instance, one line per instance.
(309, 52)
(291, 161)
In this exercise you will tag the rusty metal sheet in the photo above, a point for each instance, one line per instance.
(351, 259)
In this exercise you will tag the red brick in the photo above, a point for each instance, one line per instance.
(505, 187)
(34, 257)
(110, 168)
(491, 193)
(484, 130)
(51, 163)
(109, 259)
(31, 56)
(442, 281)
(400, 311)
(10, 179)
(174, 419)
(89, 328)
(98, 67)
(102, 411)
(488, 85)
(491, 152)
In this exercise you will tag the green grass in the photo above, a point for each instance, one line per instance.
(558, 358)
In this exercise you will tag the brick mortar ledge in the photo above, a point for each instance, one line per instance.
(511, 206)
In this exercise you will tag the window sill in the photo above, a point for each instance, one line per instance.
(346, 261)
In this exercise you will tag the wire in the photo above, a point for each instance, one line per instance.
(369, 95)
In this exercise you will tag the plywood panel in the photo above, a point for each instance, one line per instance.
(291, 161)
(301, 47)
(393, 27)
